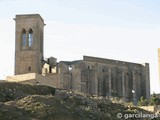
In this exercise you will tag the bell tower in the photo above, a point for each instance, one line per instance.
(28, 43)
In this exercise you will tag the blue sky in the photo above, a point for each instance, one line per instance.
(126, 30)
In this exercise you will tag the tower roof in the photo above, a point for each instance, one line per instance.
(24, 16)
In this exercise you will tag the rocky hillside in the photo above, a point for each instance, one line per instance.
(28, 102)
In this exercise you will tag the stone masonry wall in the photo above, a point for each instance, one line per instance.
(37, 79)
(104, 77)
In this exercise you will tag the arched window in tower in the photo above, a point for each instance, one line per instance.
(30, 38)
(24, 40)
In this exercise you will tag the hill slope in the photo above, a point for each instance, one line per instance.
(28, 102)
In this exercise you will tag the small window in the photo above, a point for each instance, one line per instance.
(30, 38)
(24, 36)
(29, 68)
(50, 69)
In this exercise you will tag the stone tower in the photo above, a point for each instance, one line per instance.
(28, 43)
(159, 61)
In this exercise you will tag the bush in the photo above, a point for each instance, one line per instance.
(154, 100)
(143, 101)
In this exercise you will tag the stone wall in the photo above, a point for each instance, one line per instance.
(52, 80)
(96, 76)
(21, 78)
(104, 77)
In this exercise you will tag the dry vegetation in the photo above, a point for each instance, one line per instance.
(28, 102)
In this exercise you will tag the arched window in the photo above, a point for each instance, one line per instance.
(30, 38)
(24, 36)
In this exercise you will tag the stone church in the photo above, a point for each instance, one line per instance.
(92, 75)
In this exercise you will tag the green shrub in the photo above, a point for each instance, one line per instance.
(143, 101)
